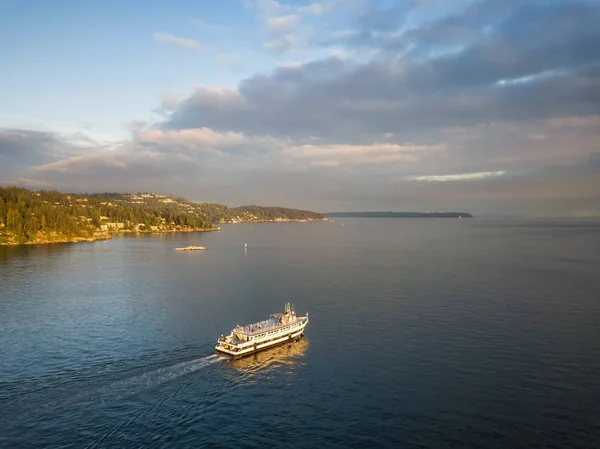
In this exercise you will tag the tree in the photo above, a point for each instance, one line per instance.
(2, 211)
(32, 226)
(14, 222)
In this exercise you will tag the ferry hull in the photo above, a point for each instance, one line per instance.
(290, 338)
(254, 351)
(281, 328)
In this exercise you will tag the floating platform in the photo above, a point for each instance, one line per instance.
(190, 248)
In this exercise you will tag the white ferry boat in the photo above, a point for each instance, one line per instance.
(280, 328)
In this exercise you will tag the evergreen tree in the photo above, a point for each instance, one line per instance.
(24, 213)
(2, 212)
(32, 226)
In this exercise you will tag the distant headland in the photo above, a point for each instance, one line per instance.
(49, 216)
(401, 214)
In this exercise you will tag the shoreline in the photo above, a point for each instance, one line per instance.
(303, 220)
(106, 236)
(109, 235)
(73, 240)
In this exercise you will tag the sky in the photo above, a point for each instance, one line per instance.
(485, 106)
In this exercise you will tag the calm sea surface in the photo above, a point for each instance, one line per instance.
(424, 333)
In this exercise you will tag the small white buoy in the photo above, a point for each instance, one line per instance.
(245, 245)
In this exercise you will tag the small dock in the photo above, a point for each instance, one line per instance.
(190, 248)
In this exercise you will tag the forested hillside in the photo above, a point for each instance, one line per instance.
(49, 215)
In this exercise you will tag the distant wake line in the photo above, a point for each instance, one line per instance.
(121, 389)
(131, 386)
(152, 379)
(149, 380)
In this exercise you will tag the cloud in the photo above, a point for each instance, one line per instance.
(592, 121)
(210, 97)
(108, 160)
(24, 182)
(336, 99)
(291, 64)
(279, 45)
(236, 168)
(391, 28)
(279, 22)
(169, 100)
(210, 27)
(124, 169)
(361, 155)
(282, 23)
(444, 93)
(177, 41)
(265, 150)
(229, 61)
(21, 148)
(459, 176)
(268, 7)
(316, 8)
(24, 144)
(203, 138)
(480, 105)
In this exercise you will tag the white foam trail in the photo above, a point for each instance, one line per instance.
(152, 379)
(149, 380)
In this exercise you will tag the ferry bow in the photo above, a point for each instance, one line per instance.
(279, 329)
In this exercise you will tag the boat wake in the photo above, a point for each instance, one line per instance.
(149, 380)
(132, 385)
(146, 381)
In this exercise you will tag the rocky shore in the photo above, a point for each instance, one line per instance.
(45, 239)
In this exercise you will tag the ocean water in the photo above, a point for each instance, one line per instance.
(428, 333)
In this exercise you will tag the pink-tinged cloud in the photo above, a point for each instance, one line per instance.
(177, 41)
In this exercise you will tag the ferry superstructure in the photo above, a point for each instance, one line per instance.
(280, 328)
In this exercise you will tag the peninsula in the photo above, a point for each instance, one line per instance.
(49, 216)
(401, 214)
